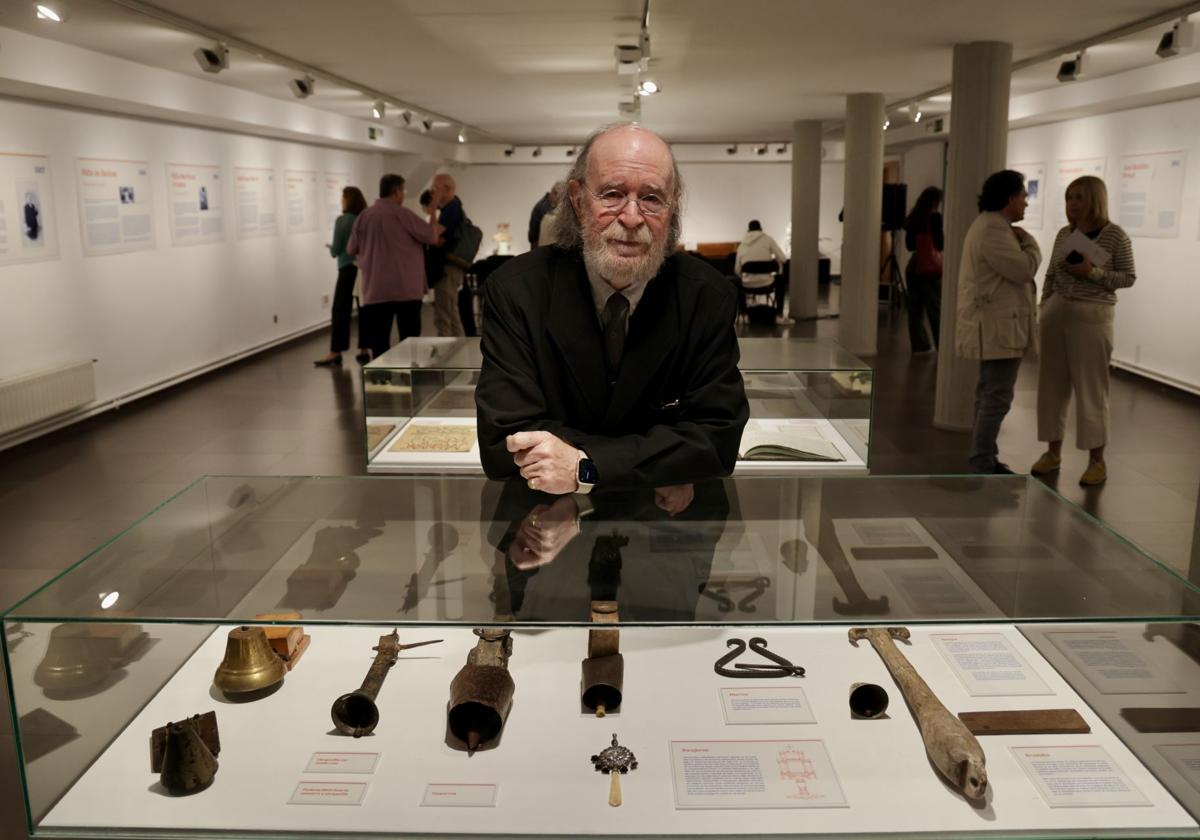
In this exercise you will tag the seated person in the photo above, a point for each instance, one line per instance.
(607, 362)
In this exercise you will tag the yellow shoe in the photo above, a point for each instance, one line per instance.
(1047, 464)
(1096, 473)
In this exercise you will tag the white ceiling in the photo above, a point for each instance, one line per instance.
(543, 71)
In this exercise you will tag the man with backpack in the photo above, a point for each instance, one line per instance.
(454, 253)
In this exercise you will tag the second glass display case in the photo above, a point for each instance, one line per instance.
(810, 408)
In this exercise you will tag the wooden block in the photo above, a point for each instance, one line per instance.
(284, 640)
(1026, 722)
(1181, 719)
(301, 646)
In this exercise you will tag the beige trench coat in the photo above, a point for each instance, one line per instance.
(997, 310)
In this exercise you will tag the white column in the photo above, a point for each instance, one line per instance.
(978, 147)
(859, 305)
(806, 218)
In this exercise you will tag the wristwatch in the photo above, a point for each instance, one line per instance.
(586, 474)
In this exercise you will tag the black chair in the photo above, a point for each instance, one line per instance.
(750, 305)
(473, 279)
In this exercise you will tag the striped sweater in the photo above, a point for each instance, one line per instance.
(1118, 274)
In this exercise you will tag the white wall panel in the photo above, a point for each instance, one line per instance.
(1156, 319)
(150, 315)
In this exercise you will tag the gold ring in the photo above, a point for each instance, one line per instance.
(532, 483)
(533, 519)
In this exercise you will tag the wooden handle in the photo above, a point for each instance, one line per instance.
(614, 790)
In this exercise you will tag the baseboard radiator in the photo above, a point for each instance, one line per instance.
(34, 397)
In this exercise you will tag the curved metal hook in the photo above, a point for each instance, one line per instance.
(739, 647)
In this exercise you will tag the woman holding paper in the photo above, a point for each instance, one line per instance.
(1092, 258)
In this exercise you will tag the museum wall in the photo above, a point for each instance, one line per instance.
(149, 307)
(720, 199)
(1157, 203)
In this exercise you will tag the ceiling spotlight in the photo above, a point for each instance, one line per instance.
(510, 151)
(1179, 39)
(731, 150)
(462, 135)
(212, 59)
(886, 123)
(537, 152)
(406, 117)
(427, 124)
(378, 109)
(54, 14)
(648, 87)
(914, 112)
(571, 151)
(760, 150)
(302, 88)
(782, 149)
(1071, 69)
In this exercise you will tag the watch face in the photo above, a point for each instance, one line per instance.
(587, 472)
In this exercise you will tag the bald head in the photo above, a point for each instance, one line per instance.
(632, 148)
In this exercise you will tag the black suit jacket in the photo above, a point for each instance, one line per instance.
(678, 407)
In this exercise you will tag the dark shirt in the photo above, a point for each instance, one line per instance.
(535, 218)
(451, 218)
(935, 228)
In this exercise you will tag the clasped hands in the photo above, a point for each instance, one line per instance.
(546, 462)
(551, 465)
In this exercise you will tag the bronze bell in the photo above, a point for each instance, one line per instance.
(74, 660)
(188, 766)
(250, 665)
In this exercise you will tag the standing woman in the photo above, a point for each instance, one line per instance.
(1078, 303)
(925, 239)
(353, 203)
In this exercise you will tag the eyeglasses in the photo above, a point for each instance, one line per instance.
(614, 201)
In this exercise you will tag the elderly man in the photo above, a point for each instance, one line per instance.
(997, 313)
(607, 362)
(447, 277)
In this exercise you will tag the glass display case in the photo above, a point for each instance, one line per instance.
(725, 653)
(810, 408)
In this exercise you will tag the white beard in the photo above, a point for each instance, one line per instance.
(622, 272)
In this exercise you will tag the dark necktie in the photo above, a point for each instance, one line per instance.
(616, 311)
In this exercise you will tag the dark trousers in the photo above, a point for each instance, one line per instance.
(377, 323)
(343, 308)
(466, 309)
(993, 399)
(924, 301)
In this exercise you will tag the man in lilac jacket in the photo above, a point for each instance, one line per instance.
(386, 241)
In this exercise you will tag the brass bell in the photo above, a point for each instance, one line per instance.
(250, 665)
(188, 766)
(74, 660)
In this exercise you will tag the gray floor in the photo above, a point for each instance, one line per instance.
(62, 495)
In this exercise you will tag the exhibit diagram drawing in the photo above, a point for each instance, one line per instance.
(197, 207)
(300, 195)
(255, 195)
(116, 208)
(335, 182)
(1065, 172)
(1035, 186)
(1151, 194)
(27, 228)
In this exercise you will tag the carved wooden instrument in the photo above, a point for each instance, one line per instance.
(951, 747)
